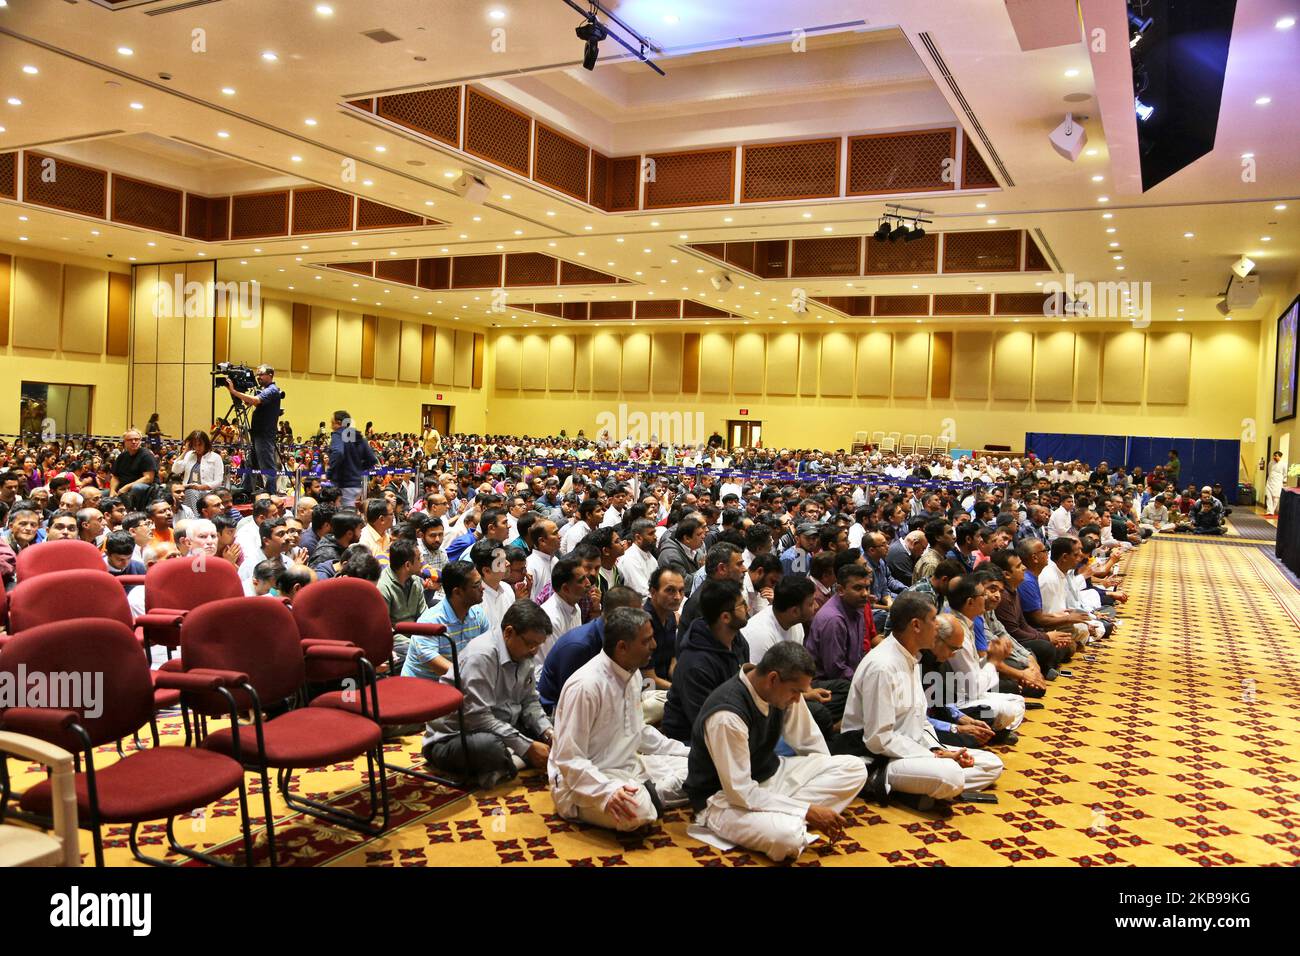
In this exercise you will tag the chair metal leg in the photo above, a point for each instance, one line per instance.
(270, 819)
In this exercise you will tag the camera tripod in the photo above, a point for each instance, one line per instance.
(238, 417)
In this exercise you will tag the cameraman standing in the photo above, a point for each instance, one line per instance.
(266, 415)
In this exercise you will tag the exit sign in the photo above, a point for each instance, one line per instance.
(744, 411)
(439, 397)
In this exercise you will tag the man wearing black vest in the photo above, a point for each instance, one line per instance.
(738, 786)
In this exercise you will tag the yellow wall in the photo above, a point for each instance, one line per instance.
(71, 327)
(1263, 414)
(390, 402)
(1220, 390)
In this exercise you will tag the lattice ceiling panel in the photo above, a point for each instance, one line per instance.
(698, 178)
(803, 170)
(147, 205)
(919, 161)
(435, 113)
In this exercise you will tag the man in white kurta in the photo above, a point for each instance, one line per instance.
(638, 561)
(886, 714)
(603, 753)
(1273, 485)
(808, 790)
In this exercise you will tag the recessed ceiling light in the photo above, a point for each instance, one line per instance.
(645, 250)
(1110, 230)
(1071, 73)
(137, 106)
(1107, 215)
(1180, 309)
(1098, 178)
(1189, 235)
(30, 70)
(269, 56)
(1265, 238)
(1119, 268)
(1114, 244)
(654, 223)
(94, 232)
(1286, 23)
(1117, 258)
(726, 219)
(222, 134)
(991, 222)
(228, 91)
(506, 196)
(151, 244)
(295, 159)
(477, 218)
(496, 14)
(981, 205)
(324, 9)
(22, 218)
(2, 129)
(828, 228)
(1280, 207)
(464, 235)
(22, 238)
(1103, 199)
(1263, 101)
(587, 227)
(367, 182)
(381, 149)
(14, 101)
(203, 253)
(126, 51)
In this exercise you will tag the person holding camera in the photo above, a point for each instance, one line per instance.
(262, 433)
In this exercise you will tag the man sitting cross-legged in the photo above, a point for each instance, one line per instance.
(740, 789)
(885, 720)
(607, 766)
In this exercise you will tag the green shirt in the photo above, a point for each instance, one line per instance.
(405, 602)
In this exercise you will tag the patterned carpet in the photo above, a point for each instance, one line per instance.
(1169, 747)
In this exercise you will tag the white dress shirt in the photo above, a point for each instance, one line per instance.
(600, 736)
(1059, 524)
(496, 601)
(636, 566)
(764, 630)
(1054, 588)
(539, 565)
(573, 535)
(727, 737)
(564, 618)
(887, 703)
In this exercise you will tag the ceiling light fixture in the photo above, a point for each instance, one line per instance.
(125, 51)
(30, 70)
(270, 56)
(230, 91)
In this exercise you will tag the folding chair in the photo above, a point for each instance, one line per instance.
(941, 445)
(878, 439)
(889, 443)
(924, 444)
(178, 586)
(908, 445)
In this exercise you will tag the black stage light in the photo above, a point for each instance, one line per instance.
(915, 233)
(900, 231)
(593, 32)
(882, 231)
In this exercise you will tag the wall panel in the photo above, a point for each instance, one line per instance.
(1054, 366)
(388, 346)
(144, 395)
(38, 295)
(1168, 376)
(636, 362)
(810, 348)
(199, 327)
(941, 365)
(85, 309)
(582, 362)
(348, 352)
(368, 329)
(118, 332)
(299, 336)
(322, 350)
(1013, 362)
(970, 365)
(245, 337)
(6, 284)
(427, 335)
(875, 359)
(200, 396)
(606, 361)
(507, 361)
(666, 363)
(144, 315)
(277, 334)
(535, 360)
(444, 356)
(715, 362)
(463, 359)
(837, 364)
(408, 363)
(1087, 369)
(747, 367)
(171, 313)
(560, 363)
(911, 364)
(1123, 359)
(169, 401)
(782, 363)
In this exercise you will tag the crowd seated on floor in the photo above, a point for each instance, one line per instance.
(761, 635)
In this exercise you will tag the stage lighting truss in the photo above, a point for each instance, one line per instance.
(901, 222)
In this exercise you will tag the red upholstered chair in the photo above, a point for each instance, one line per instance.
(77, 595)
(349, 609)
(154, 784)
(260, 639)
(58, 556)
(178, 586)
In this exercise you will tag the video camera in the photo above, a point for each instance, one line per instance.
(241, 376)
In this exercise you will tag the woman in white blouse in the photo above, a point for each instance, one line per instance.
(200, 467)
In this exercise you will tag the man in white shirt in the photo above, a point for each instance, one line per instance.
(740, 789)
(544, 539)
(569, 586)
(1059, 595)
(489, 559)
(886, 718)
(618, 497)
(608, 767)
(1062, 520)
(977, 685)
(638, 561)
(590, 514)
(785, 619)
(1273, 484)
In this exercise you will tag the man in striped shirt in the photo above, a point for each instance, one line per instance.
(460, 611)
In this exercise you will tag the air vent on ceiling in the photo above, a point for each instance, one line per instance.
(1047, 249)
(178, 7)
(974, 122)
(381, 36)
